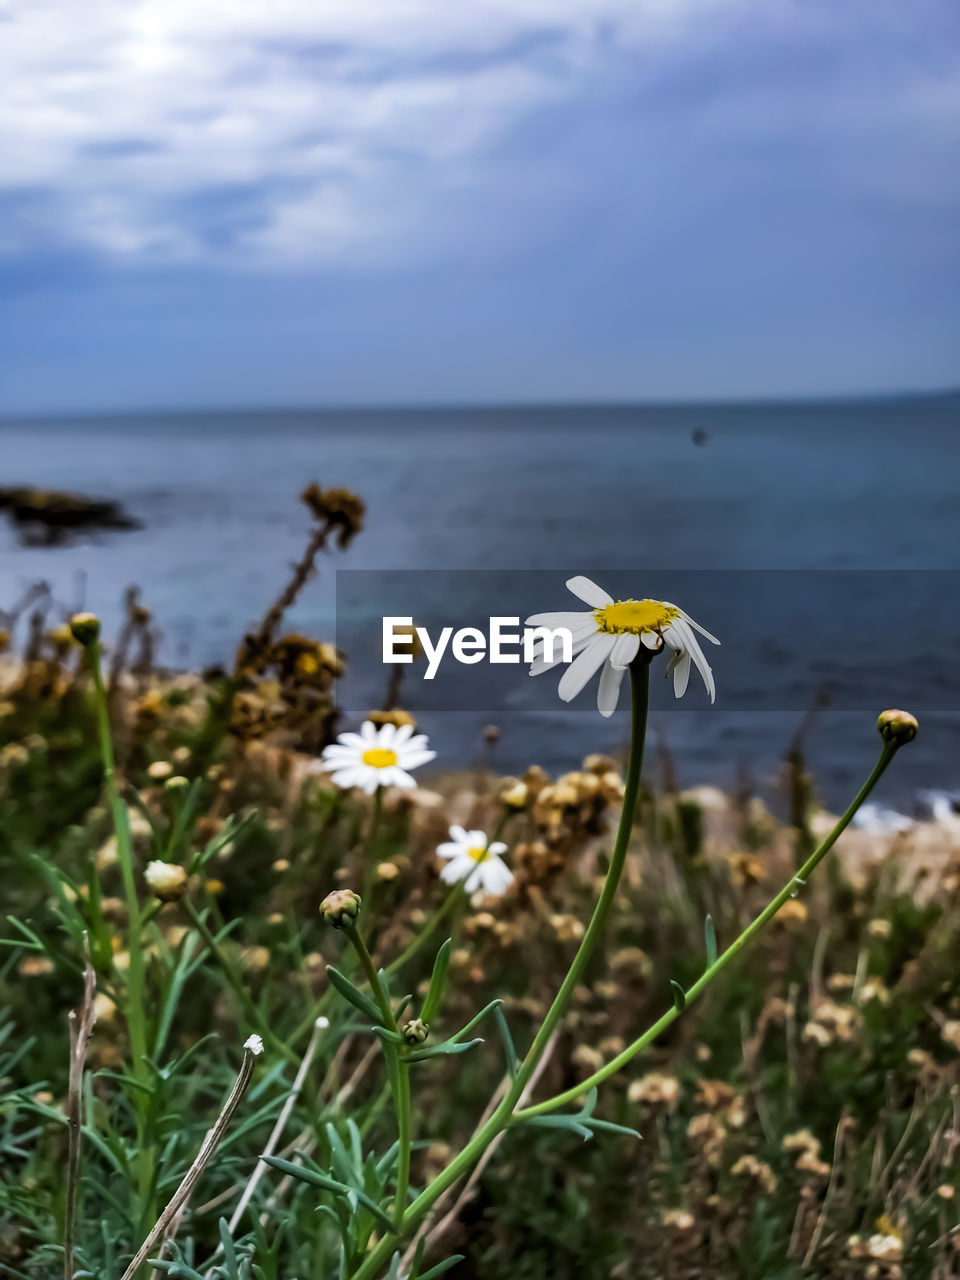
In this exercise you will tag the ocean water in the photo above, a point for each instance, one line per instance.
(827, 496)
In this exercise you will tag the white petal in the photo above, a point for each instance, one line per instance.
(583, 667)
(553, 620)
(477, 839)
(404, 731)
(396, 777)
(449, 849)
(414, 759)
(539, 665)
(681, 675)
(651, 640)
(355, 776)
(625, 650)
(348, 740)
(697, 627)
(690, 646)
(460, 835)
(608, 695)
(455, 871)
(368, 732)
(497, 848)
(588, 592)
(387, 734)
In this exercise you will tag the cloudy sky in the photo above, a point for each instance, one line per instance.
(261, 202)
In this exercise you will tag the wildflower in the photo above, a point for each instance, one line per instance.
(339, 906)
(945, 1191)
(809, 1162)
(678, 1219)
(160, 770)
(176, 783)
(802, 1140)
(376, 758)
(104, 1009)
(897, 726)
(654, 1088)
(387, 871)
(35, 967)
(610, 637)
(475, 861)
(254, 1045)
(880, 929)
(254, 957)
(395, 717)
(166, 880)
(514, 794)
(750, 1167)
(950, 1031)
(792, 912)
(85, 628)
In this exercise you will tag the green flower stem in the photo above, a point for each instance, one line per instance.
(789, 890)
(135, 988)
(397, 1070)
(502, 1116)
(235, 982)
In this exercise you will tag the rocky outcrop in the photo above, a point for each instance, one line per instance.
(47, 518)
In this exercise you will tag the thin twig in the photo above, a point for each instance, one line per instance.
(319, 1027)
(252, 1047)
(80, 1028)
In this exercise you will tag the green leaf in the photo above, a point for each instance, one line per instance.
(679, 996)
(443, 1050)
(508, 1045)
(438, 982)
(350, 993)
(441, 1267)
(323, 1180)
(710, 938)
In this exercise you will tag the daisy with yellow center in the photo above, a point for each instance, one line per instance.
(476, 862)
(377, 757)
(608, 638)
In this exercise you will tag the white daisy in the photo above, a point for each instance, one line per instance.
(475, 861)
(376, 757)
(610, 636)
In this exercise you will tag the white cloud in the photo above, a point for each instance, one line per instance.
(256, 132)
(286, 130)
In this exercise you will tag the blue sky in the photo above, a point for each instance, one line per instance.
(417, 201)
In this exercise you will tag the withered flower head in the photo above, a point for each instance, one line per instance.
(338, 508)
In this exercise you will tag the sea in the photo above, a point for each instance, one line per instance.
(820, 541)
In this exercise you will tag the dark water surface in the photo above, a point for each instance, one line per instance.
(852, 486)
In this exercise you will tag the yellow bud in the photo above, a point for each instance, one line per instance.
(897, 726)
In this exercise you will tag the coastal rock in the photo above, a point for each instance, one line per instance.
(48, 518)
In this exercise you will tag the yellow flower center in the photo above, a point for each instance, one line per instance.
(636, 616)
(379, 758)
(479, 853)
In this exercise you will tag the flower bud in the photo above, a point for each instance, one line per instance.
(176, 783)
(85, 628)
(897, 726)
(340, 907)
(166, 880)
(415, 1031)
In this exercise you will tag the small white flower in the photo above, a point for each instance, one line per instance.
(610, 636)
(376, 757)
(475, 861)
(254, 1045)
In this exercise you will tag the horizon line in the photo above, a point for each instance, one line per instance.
(783, 400)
